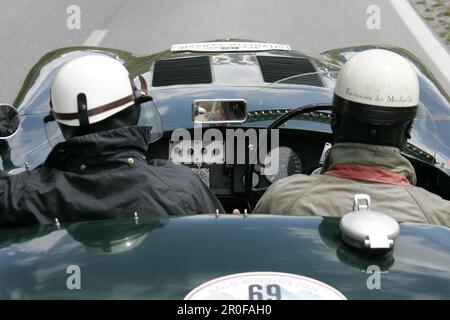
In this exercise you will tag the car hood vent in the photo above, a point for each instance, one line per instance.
(277, 68)
(182, 71)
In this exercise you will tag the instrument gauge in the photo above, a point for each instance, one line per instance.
(288, 161)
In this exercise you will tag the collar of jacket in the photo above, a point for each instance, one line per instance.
(382, 157)
(101, 147)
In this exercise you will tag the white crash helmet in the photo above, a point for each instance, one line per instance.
(375, 99)
(378, 77)
(90, 89)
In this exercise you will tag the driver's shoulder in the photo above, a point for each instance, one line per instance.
(285, 190)
(298, 181)
(430, 203)
(281, 194)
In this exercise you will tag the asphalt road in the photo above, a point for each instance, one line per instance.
(30, 28)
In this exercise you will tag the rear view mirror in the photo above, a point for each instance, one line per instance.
(9, 121)
(219, 111)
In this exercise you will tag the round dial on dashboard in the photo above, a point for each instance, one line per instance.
(255, 180)
(280, 163)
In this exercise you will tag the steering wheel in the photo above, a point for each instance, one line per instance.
(250, 191)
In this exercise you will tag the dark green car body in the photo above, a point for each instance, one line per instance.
(166, 259)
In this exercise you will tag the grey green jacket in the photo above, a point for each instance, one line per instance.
(332, 196)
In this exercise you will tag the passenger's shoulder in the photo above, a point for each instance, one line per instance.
(166, 164)
(172, 173)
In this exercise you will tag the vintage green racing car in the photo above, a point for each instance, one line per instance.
(236, 87)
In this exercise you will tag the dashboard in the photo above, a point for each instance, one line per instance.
(221, 164)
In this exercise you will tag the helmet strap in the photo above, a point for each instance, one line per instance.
(140, 95)
(83, 116)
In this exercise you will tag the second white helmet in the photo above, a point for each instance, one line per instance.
(379, 78)
(375, 99)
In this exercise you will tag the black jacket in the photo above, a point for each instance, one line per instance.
(102, 175)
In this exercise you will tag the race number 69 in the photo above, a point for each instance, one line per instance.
(268, 292)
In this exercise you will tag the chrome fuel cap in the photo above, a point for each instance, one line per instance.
(367, 229)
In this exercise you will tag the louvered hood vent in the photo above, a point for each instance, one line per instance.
(182, 71)
(277, 68)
